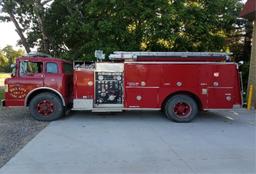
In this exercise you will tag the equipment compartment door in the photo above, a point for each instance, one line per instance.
(141, 98)
(223, 91)
(84, 84)
(220, 98)
(142, 83)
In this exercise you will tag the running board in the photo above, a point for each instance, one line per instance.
(107, 110)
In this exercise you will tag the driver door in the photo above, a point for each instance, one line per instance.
(30, 76)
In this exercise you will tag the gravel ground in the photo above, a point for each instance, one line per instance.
(17, 128)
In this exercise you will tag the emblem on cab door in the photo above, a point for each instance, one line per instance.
(17, 92)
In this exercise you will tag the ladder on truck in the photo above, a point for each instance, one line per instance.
(169, 56)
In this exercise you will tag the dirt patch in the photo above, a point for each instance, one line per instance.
(17, 128)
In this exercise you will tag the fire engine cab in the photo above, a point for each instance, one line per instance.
(179, 83)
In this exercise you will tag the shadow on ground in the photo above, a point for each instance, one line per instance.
(228, 117)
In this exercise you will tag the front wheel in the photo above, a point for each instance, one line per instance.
(181, 108)
(46, 107)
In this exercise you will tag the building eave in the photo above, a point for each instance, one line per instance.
(249, 10)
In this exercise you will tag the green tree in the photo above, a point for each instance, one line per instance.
(74, 29)
(77, 28)
(28, 17)
(8, 56)
(3, 60)
(80, 27)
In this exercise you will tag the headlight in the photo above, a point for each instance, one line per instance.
(5, 88)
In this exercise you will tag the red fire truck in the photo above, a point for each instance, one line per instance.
(178, 83)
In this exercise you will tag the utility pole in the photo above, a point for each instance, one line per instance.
(249, 12)
(252, 70)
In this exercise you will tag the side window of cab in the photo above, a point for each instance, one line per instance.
(28, 68)
(51, 68)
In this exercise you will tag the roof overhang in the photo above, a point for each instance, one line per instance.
(249, 10)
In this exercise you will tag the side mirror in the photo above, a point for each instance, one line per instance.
(241, 62)
(13, 66)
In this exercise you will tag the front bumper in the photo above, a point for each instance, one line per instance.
(3, 103)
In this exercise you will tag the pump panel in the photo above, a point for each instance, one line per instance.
(109, 88)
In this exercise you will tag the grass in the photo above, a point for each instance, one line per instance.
(1, 93)
(4, 75)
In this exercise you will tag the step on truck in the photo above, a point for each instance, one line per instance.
(179, 83)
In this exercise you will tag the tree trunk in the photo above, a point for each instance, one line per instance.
(20, 32)
(39, 11)
(252, 70)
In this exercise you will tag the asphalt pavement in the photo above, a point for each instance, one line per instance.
(219, 142)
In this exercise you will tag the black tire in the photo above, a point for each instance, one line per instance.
(181, 108)
(46, 107)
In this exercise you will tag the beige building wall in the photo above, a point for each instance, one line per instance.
(252, 72)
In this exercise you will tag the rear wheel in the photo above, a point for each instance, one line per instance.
(46, 107)
(181, 108)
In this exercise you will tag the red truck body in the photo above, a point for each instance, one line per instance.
(179, 86)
